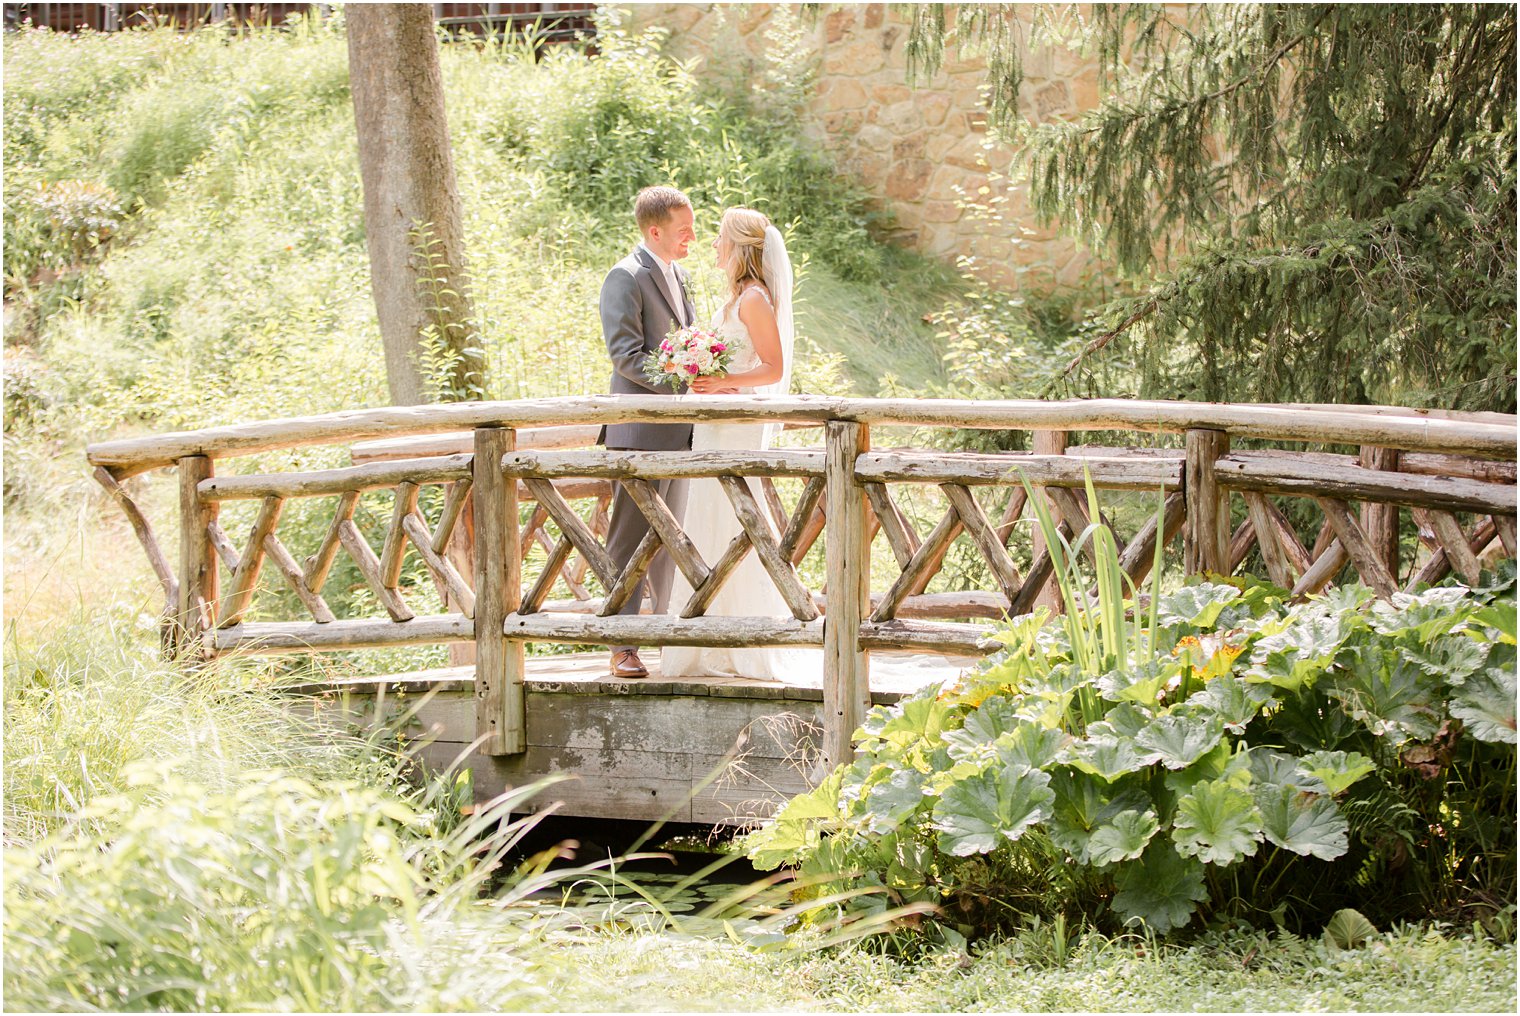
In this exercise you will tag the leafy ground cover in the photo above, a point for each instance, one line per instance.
(1218, 753)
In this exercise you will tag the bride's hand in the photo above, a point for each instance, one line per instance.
(713, 386)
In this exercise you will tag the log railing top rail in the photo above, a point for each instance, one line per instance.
(1488, 435)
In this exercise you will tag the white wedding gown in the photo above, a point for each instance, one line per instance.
(710, 523)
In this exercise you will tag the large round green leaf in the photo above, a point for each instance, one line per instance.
(1217, 822)
(975, 814)
(1123, 838)
(1160, 890)
(1307, 824)
(1179, 739)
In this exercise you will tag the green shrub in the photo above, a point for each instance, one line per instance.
(1221, 750)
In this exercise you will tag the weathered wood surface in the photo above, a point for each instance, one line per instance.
(1485, 439)
(847, 571)
(198, 578)
(500, 719)
(1044, 470)
(1279, 475)
(364, 633)
(144, 530)
(711, 750)
(664, 630)
(245, 579)
(1206, 535)
(616, 464)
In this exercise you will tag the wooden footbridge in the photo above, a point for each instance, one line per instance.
(503, 505)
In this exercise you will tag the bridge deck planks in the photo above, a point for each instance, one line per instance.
(714, 750)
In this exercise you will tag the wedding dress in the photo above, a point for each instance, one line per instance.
(710, 522)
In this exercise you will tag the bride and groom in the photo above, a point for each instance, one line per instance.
(643, 299)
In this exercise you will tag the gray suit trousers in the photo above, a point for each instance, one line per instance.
(627, 528)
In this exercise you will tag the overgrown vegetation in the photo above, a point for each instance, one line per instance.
(1306, 203)
(1214, 751)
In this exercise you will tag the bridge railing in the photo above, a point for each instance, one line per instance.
(1453, 473)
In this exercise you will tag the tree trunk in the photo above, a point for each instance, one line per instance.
(411, 204)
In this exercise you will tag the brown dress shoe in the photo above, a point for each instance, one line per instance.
(625, 663)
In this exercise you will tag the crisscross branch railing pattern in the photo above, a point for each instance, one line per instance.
(1447, 479)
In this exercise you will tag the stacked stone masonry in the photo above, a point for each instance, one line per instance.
(921, 150)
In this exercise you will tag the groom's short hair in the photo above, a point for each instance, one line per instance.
(654, 204)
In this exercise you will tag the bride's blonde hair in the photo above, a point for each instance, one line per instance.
(744, 229)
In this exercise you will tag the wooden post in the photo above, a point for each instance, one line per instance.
(1381, 521)
(1206, 538)
(847, 558)
(1048, 442)
(500, 718)
(198, 578)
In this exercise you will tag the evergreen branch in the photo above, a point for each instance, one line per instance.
(1146, 309)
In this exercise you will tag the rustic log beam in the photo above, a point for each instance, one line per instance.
(778, 513)
(1240, 544)
(1047, 592)
(319, 564)
(286, 565)
(1364, 555)
(1018, 496)
(1206, 536)
(530, 532)
(198, 578)
(366, 633)
(1439, 565)
(902, 538)
(369, 567)
(573, 527)
(754, 523)
(627, 584)
(324, 482)
(1505, 526)
(1454, 542)
(500, 668)
(1434, 464)
(1269, 540)
(809, 533)
(929, 555)
(224, 547)
(1381, 521)
(1323, 571)
(929, 637)
(544, 584)
(441, 567)
(601, 522)
(664, 630)
(677, 544)
(1494, 440)
(577, 590)
(802, 519)
(847, 569)
(453, 506)
(702, 596)
(246, 579)
(1009, 467)
(1278, 475)
(144, 530)
(979, 528)
(616, 464)
(393, 550)
(1140, 554)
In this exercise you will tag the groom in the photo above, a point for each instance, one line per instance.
(643, 298)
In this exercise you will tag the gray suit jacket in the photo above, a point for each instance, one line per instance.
(636, 316)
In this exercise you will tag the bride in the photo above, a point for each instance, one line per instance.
(756, 322)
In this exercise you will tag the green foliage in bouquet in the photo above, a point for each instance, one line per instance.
(1215, 751)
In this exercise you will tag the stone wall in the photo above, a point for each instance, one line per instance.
(922, 150)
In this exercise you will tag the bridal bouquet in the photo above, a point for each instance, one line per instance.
(685, 354)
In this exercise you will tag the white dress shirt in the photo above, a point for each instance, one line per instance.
(672, 285)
